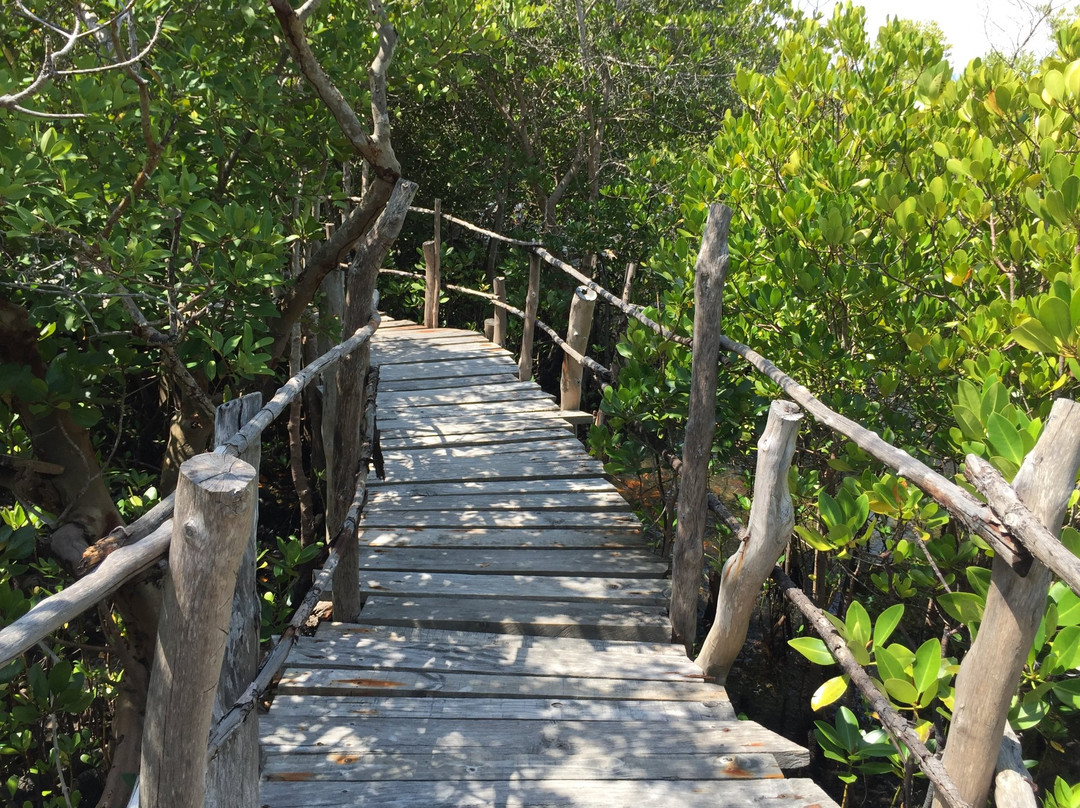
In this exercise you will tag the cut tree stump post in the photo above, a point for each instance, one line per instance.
(990, 672)
(232, 778)
(577, 337)
(628, 281)
(528, 329)
(215, 502)
(499, 334)
(432, 270)
(688, 555)
(772, 518)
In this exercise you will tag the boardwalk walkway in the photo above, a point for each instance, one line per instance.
(513, 647)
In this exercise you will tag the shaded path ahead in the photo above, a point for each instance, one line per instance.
(513, 646)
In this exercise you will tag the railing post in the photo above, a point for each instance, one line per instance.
(577, 337)
(215, 501)
(772, 519)
(232, 778)
(1014, 608)
(688, 554)
(628, 281)
(432, 269)
(499, 334)
(528, 329)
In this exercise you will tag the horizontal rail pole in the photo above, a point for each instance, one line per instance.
(147, 539)
(599, 370)
(475, 228)
(894, 723)
(273, 662)
(976, 516)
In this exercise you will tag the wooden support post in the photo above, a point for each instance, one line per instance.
(628, 281)
(232, 778)
(499, 334)
(431, 285)
(772, 519)
(577, 337)
(528, 329)
(688, 554)
(1015, 605)
(432, 270)
(1013, 785)
(215, 501)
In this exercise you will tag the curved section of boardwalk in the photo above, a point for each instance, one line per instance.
(513, 646)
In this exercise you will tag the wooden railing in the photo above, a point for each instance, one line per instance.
(1021, 523)
(206, 677)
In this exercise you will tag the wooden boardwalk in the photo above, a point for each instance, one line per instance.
(513, 647)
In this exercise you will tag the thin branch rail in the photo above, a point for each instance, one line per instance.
(893, 722)
(272, 663)
(148, 538)
(599, 370)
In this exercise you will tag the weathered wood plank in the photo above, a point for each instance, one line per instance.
(492, 488)
(598, 536)
(606, 501)
(482, 765)
(627, 563)
(487, 469)
(290, 707)
(453, 397)
(563, 448)
(411, 385)
(517, 737)
(644, 652)
(540, 656)
(585, 619)
(398, 683)
(462, 369)
(400, 441)
(663, 793)
(653, 592)
(494, 518)
(401, 424)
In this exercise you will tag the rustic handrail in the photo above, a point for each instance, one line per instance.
(148, 538)
(599, 370)
(273, 661)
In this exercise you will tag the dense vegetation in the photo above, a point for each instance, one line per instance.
(905, 243)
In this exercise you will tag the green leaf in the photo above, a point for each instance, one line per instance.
(858, 629)
(847, 727)
(888, 665)
(1068, 693)
(813, 649)
(886, 623)
(1031, 334)
(964, 607)
(829, 692)
(927, 665)
(1055, 317)
(901, 691)
(1005, 438)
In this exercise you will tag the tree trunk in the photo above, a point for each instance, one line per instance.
(688, 553)
(1014, 608)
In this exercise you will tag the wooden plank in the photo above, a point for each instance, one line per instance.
(518, 738)
(388, 500)
(603, 659)
(406, 441)
(504, 538)
(447, 684)
(585, 619)
(662, 793)
(491, 488)
(482, 765)
(497, 394)
(288, 706)
(494, 518)
(486, 409)
(408, 385)
(642, 651)
(564, 447)
(627, 563)
(480, 469)
(464, 368)
(654, 592)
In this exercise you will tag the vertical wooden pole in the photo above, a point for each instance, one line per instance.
(432, 270)
(528, 330)
(1015, 606)
(628, 281)
(431, 285)
(688, 555)
(772, 518)
(232, 778)
(215, 501)
(499, 335)
(582, 305)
